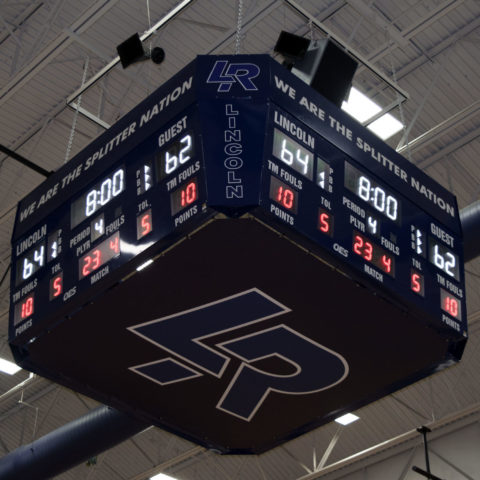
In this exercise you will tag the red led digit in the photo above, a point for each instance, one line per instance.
(285, 197)
(57, 286)
(27, 307)
(191, 193)
(324, 222)
(416, 285)
(97, 257)
(188, 194)
(417, 282)
(288, 198)
(114, 245)
(368, 253)
(86, 265)
(358, 245)
(387, 263)
(451, 306)
(279, 194)
(146, 224)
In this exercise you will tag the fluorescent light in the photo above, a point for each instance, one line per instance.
(347, 419)
(144, 265)
(385, 126)
(161, 476)
(360, 107)
(9, 367)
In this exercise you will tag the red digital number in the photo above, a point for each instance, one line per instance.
(27, 308)
(97, 257)
(387, 263)
(114, 244)
(189, 194)
(93, 261)
(146, 224)
(324, 222)
(285, 197)
(87, 262)
(416, 285)
(364, 249)
(451, 306)
(357, 246)
(368, 253)
(57, 286)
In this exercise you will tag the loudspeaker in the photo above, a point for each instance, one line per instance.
(291, 46)
(327, 69)
(131, 51)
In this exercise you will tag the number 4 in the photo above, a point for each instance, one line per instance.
(114, 244)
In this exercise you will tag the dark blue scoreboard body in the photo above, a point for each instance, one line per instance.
(301, 267)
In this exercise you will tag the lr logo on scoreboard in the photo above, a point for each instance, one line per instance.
(226, 74)
(316, 367)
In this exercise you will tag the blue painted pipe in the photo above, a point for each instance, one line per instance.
(470, 220)
(70, 445)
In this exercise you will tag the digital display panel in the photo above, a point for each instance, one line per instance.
(29, 263)
(144, 178)
(324, 175)
(325, 222)
(56, 286)
(417, 282)
(97, 227)
(283, 194)
(24, 309)
(54, 245)
(443, 258)
(184, 196)
(144, 224)
(175, 156)
(98, 256)
(97, 197)
(373, 254)
(382, 200)
(293, 154)
(450, 304)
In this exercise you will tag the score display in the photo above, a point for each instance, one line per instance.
(260, 210)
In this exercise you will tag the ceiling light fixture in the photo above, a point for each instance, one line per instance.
(8, 367)
(360, 107)
(347, 419)
(162, 476)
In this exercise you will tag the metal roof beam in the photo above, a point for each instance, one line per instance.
(52, 50)
(169, 16)
(356, 55)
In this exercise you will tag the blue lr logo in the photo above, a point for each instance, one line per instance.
(226, 74)
(316, 367)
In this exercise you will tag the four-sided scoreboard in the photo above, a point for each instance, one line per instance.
(301, 267)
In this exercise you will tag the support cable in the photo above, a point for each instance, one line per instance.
(75, 115)
(238, 35)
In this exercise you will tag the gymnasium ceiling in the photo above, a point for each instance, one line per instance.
(49, 49)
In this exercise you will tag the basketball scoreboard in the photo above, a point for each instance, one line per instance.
(234, 176)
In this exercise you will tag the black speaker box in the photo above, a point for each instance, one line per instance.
(328, 69)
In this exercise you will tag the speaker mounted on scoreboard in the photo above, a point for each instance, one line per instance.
(319, 63)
